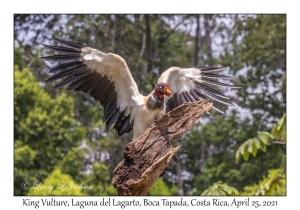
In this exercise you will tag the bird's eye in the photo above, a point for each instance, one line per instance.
(160, 87)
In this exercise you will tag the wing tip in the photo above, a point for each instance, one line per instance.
(210, 69)
(50, 79)
(68, 43)
(43, 58)
(218, 110)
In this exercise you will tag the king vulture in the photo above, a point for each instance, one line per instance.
(106, 78)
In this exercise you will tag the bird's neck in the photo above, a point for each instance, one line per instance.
(154, 101)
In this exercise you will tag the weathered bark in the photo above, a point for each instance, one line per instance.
(146, 157)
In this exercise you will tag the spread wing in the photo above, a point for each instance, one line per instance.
(193, 84)
(104, 76)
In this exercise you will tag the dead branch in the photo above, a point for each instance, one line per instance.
(146, 157)
(278, 142)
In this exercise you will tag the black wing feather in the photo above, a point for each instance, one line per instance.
(65, 66)
(70, 44)
(62, 58)
(72, 71)
(84, 79)
(63, 49)
(209, 69)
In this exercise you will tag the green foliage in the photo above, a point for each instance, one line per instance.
(273, 184)
(100, 180)
(262, 140)
(56, 184)
(279, 130)
(160, 189)
(71, 163)
(220, 189)
(252, 145)
(213, 154)
(24, 154)
(48, 137)
(44, 128)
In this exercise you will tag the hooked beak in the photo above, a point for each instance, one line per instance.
(167, 91)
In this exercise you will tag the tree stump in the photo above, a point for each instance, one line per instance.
(146, 157)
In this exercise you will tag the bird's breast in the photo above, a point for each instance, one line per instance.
(145, 118)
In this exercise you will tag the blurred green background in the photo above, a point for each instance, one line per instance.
(59, 136)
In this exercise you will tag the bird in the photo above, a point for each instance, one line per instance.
(106, 77)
